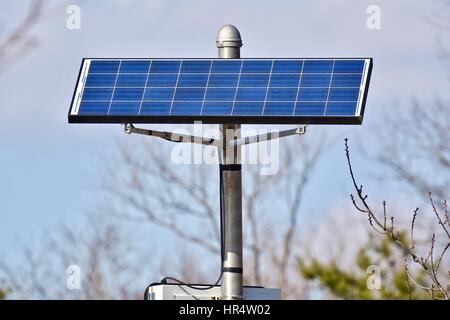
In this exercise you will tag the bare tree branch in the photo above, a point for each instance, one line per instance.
(184, 201)
(428, 264)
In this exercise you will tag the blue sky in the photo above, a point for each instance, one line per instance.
(50, 169)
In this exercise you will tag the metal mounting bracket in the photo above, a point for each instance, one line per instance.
(169, 136)
(184, 138)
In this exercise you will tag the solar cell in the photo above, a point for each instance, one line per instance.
(221, 90)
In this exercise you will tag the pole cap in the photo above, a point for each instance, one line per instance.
(229, 36)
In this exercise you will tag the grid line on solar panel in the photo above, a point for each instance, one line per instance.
(298, 87)
(169, 101)
(258, 85)
(114, 89)
(329, 89)
(237, 86)
(267, 89)
(224, 73)
(201, 87)
(175, 90)
(207, 86)
(146, 82)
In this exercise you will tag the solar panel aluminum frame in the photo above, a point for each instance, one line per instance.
(73, 117)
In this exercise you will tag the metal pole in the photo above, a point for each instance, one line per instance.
(229, 44)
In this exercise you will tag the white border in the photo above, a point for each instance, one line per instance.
(362, 88)
(80, 87)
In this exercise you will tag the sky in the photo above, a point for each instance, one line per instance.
(50, 170)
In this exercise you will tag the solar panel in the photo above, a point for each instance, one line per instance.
(270, 91)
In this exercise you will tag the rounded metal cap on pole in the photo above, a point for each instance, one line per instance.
(229, 42)
(229, 36)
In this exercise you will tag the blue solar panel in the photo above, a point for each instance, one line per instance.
(221, 91)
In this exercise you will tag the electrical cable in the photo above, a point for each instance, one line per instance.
(222, 253)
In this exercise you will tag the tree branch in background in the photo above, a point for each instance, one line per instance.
(410, 138)
(184, 201)
(352, 283)
(271, 210)
(416, 139)
(294, 199)
(155, 191)
(430, 263)
(19, 42)
(108, 260)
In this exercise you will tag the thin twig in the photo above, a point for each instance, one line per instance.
(431, 270)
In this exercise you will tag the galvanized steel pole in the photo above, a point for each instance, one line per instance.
(229, 43)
